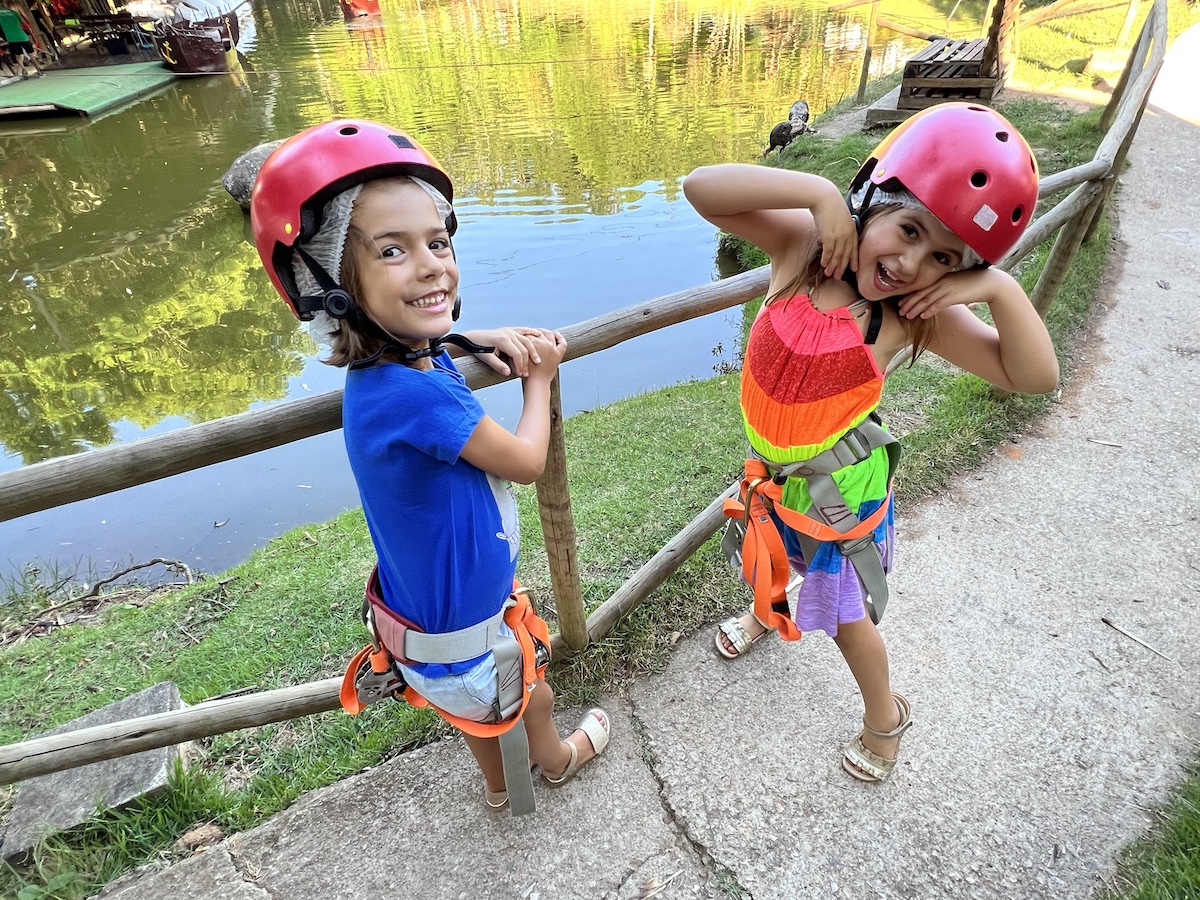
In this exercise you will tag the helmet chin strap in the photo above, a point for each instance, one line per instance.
(408, 356)
(856, 214)
(340, 305)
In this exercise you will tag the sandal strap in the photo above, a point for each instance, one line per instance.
(905, 720)
(879, 768)
(737, 635)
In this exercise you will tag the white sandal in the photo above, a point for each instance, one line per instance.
(496, 801)
(864, 765)
(595, 724)
(739, 638)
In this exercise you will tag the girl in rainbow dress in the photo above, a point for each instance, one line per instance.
(894, 266)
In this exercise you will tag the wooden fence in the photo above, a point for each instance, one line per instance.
(60, 481)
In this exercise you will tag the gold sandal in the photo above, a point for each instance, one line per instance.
(738, 637)
(864, 765)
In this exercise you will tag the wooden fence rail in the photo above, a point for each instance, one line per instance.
(57, 481)
(74, 478)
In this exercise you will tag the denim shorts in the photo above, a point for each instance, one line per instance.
(469, 695)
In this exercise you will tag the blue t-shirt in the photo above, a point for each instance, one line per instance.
(446, 533)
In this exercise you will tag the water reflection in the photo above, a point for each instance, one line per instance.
(136, 305)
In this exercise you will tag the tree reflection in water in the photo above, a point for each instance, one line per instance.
(137, 304)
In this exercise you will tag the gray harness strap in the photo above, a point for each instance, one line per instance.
(409, 645)
(830, 506)
(514, 743)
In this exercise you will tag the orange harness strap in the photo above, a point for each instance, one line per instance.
(764, 557)
(526, 626)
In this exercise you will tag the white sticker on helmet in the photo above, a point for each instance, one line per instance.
(985, 218)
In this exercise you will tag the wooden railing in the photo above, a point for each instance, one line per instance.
(74, 478)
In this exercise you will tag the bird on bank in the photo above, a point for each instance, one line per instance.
(786, 132)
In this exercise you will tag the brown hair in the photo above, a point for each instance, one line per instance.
(808, 279)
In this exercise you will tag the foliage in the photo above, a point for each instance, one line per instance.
(145, 302)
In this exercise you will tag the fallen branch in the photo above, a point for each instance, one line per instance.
(174, 564)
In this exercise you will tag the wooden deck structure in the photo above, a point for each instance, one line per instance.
(962, 69)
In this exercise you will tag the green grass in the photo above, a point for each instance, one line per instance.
(1166, 864)
(640, 470)
(1054, 54)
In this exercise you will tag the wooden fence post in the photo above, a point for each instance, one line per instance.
(1135, 63)
(866, 66)
(1066, 245)
(1111, 181)
(558, 528)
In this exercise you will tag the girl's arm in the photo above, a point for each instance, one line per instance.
(778, 211)
(1016, 355)
(521, 456)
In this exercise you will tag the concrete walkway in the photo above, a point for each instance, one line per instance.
(1042, 737)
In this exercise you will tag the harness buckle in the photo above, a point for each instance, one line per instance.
(750, 489)
(849, 548)
(368, 617)
(859, 446)
(372, 686)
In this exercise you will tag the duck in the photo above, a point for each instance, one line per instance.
(786, 132)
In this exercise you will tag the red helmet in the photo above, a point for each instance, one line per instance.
(969, 166)
(312, 167)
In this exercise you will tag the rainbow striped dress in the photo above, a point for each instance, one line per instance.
(807, 379)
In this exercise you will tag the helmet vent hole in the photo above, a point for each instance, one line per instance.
(1017, 214)
(348, 130)
(1002, 137)
(979, 179)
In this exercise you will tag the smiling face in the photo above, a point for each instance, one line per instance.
(902, 250)
(407, 278)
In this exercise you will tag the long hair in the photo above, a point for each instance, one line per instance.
(806, 281)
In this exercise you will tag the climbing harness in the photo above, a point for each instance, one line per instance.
(372, 674)
(752, 539)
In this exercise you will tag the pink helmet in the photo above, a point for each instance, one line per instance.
(311, 168)
(968, 165)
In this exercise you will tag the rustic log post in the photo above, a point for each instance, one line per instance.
(558, 529)
(1111, 181)
(54, 753)
(1066, 245)
(1127, 25)
(866, 66)
(1137, 58)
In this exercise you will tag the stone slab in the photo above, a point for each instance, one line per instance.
(215, 869)
(883, 113)
(65, 800)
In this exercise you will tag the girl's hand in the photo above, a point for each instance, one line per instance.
(953, 289)
(520, 345)
(838, 235)
(551, 348)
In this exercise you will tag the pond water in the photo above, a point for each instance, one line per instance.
(134, 304)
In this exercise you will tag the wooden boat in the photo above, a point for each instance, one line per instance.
(203, 47)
